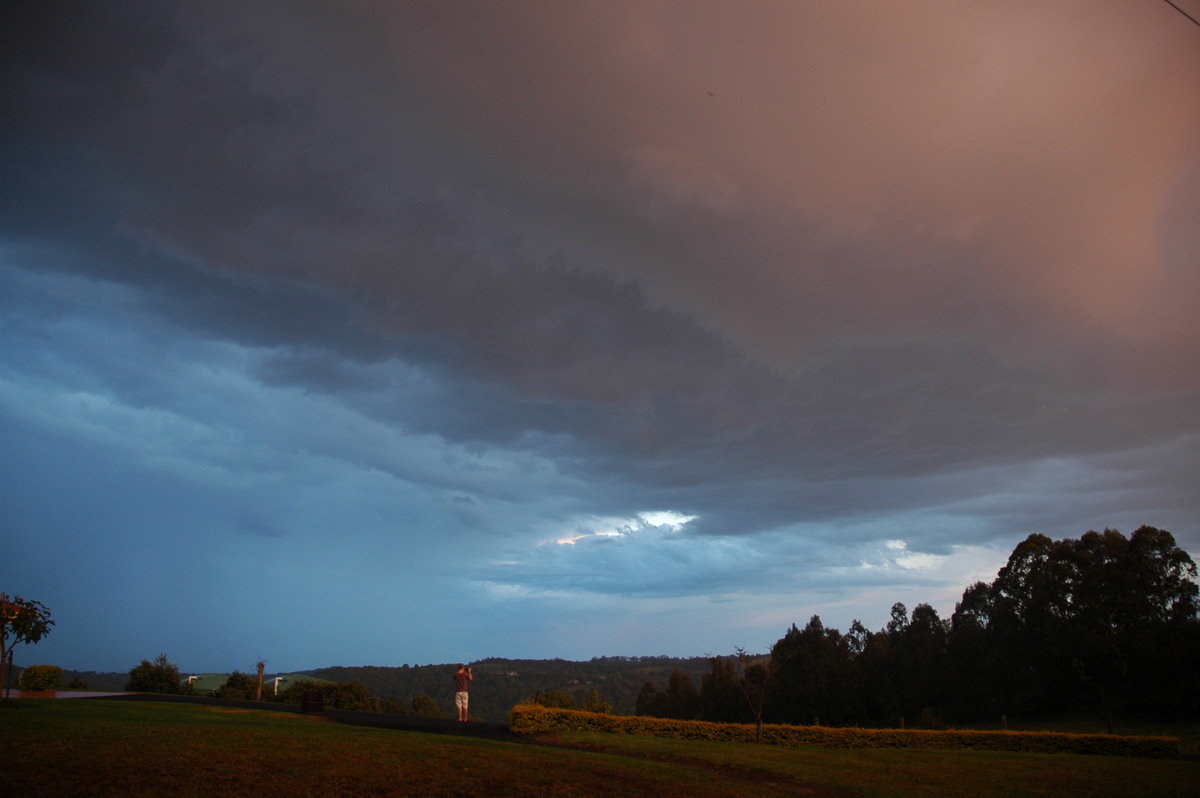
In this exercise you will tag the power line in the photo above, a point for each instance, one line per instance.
(1181, 11)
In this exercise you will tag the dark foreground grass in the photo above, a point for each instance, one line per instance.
(86, 747)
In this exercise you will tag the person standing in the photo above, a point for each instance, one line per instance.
(461, 678)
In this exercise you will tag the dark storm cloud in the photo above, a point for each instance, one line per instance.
(854, 289)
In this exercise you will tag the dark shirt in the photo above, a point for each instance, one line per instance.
(460, 681)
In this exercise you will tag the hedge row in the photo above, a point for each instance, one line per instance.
(531, 718)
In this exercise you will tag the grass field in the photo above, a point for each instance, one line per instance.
(101, 748)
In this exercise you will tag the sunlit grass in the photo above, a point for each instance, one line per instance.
(93, 747)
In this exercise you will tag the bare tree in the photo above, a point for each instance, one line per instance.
(754, 675)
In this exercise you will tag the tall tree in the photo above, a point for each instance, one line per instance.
(1032, 625)
(972, 657)
(1100, 621)
(21, 621)
(651, 701)
(721, 698)
(920, 665)
(813, 667)
(683, 700)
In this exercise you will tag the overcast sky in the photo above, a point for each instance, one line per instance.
(372, 333)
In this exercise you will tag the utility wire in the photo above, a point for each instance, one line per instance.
(1181, 11)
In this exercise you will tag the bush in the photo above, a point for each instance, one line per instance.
(41, 677)
(238, 687)
(159, 676)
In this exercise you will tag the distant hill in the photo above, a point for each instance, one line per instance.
(501, 683)
(93, 680)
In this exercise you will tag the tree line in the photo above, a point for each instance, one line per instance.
(1100, 623)
(603, 684)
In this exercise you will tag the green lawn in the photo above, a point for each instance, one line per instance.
(85, 747)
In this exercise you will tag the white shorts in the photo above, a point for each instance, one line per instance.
(460, 700)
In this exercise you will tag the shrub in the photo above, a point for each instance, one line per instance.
(159, 676)
(41, 677)
(238, 687)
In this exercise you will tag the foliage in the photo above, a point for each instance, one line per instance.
(532, 718)
(425, 707)
(294, 692)
(556, 699)
(351, 695)
(238, 687)
(159, 676)
(41, 677)
(1102, 623)
(595, 703)
(679, 699)
(721, 695)
(21, 621)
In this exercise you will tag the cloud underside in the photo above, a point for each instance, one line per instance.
(622, 299)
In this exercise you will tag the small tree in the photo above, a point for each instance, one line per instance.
(596, 704)
(755, 677)
(238, 687)
(159, 676)
(24, 621)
